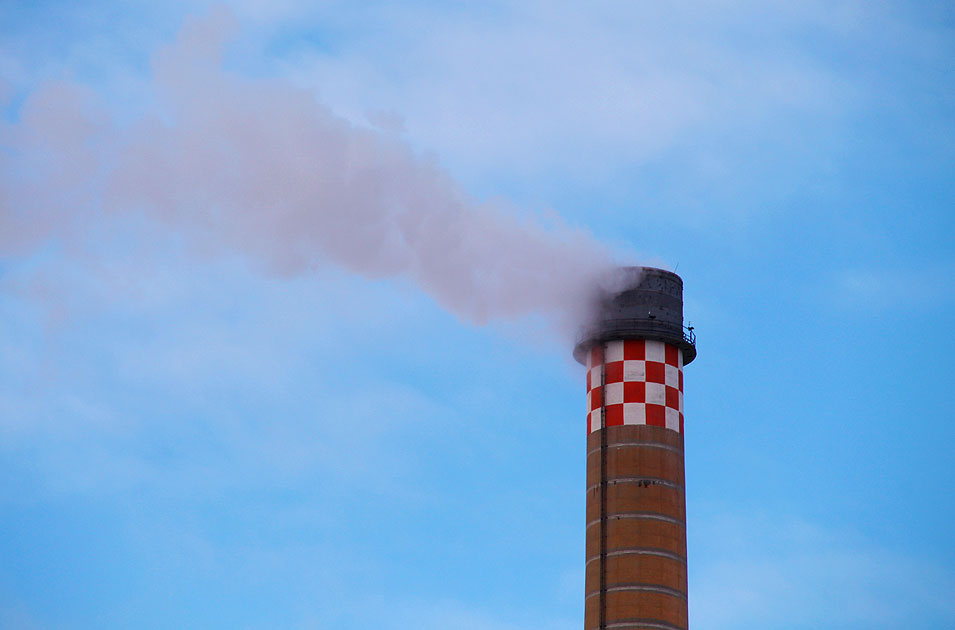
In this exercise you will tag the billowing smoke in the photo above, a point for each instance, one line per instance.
(257, 166)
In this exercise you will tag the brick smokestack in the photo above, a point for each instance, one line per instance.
(636, 507)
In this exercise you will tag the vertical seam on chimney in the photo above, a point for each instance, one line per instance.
(603, 487)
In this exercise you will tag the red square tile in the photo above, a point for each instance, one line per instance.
(672, 355)
(673, 398)
(681, 380)
(596, 356)
(656, 415)
(614, 415)
(613, 372)
(634, 349)
(656, 372)
(635, 392)
(595, 398)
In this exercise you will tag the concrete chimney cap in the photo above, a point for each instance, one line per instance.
(638, 303)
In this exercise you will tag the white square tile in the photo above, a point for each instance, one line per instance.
(672, 376)
(634, 413)
(595, 420)
(634, 371)
(614, 351)
(656, 393)
(656, 350)
(614, 394)
(673, 419)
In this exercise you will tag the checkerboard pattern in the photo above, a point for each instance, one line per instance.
(639, 381)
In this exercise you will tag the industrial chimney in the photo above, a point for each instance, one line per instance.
(636, 508)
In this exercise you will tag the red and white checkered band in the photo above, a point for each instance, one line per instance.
(639, 381)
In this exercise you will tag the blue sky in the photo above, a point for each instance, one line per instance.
(210, 419)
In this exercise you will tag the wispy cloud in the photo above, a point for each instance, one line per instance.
(894, 288)
(759, 571)
(129, 391)
(588, 89)
(416, 613)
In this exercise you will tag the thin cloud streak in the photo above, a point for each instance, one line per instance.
(774, 572)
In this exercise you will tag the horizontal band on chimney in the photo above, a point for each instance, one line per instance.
(645, 588)
(648, 481)
(665, 447)
(663, 553)
(642, 624)
(652, 516)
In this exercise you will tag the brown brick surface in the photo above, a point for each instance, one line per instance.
(639, 569)
(629, 497)
(631, 461)
(636, 433)
(635, 459)
(622, 605)
(631, 532)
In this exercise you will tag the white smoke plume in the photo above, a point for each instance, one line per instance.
(258, 166)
